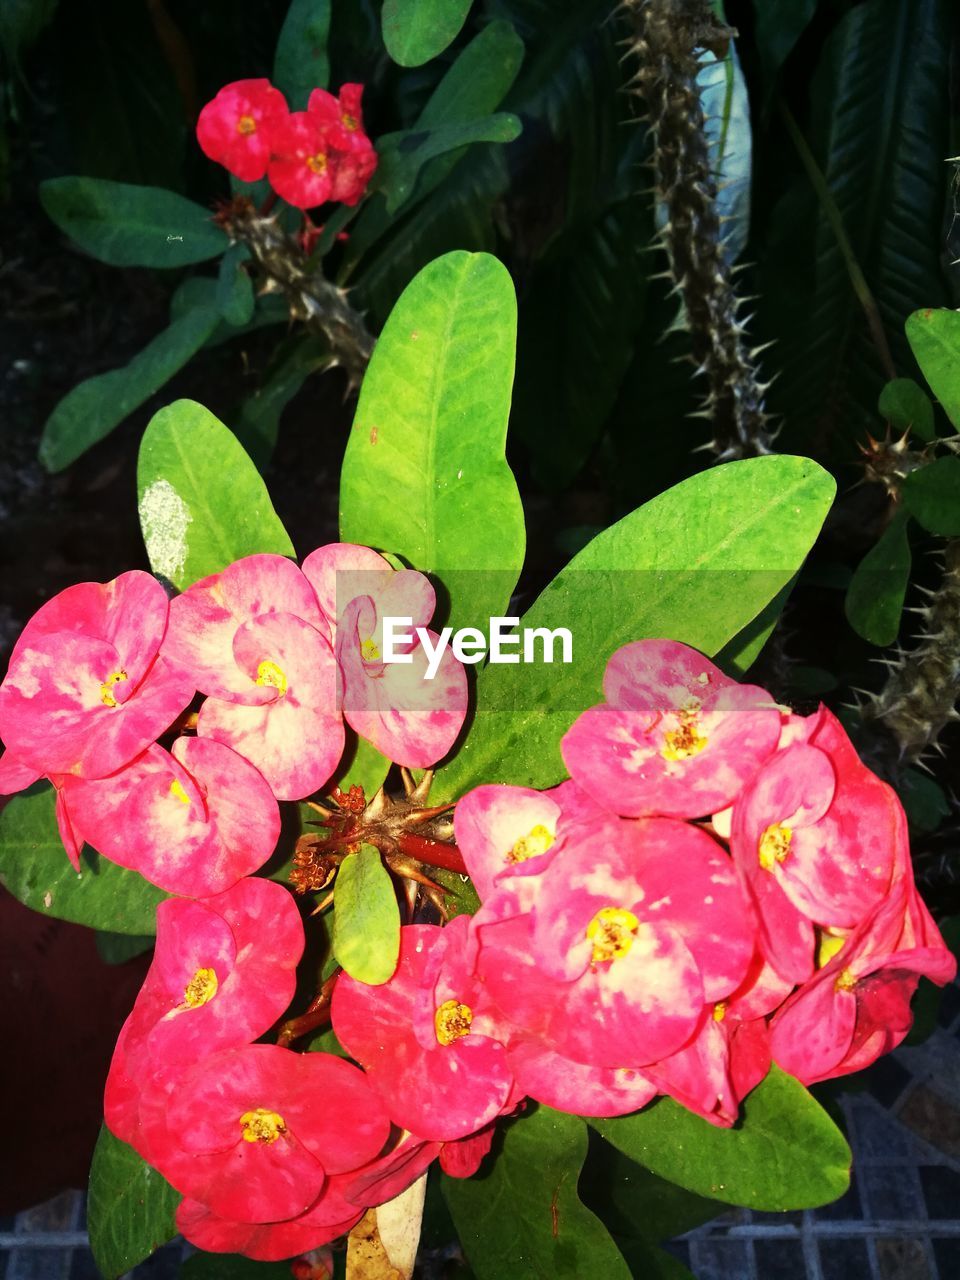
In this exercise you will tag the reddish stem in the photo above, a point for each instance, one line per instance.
(317, 1015)
(268, 204)
(436, 853)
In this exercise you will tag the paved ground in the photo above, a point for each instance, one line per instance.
(899, 1221)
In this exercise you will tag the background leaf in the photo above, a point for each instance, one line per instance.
(131, 226)
(874, 601)
(403, 155)
(301, 64)
(695, 564)
(35, 869)
(130, 1207)
(932, 495)
(366, 918)
(906, 406)
(521, 1217)
(934, 336)
(414, 31)
(231, 1266)
(235, 300)
(202, 503)
(258, 421)
(784, 1153)
(425, 466)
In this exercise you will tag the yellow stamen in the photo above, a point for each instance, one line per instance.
(176, 790)
(106, 697)
(246, 125)
(268, 673)
(369, 651)
(348, 121)
(262, 1125)
(612, 931)
(828, 947)
(720, 1011)
(774, 845)
(317, 163)
(452, 1021)
(686, 740)
(537, 840)
(201, 988)
(846, 981)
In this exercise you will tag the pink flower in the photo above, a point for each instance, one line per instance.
(566, 1085)
(410, 719)
(193, 821)
(427, 1039)
(675, 736)
(303, 164)
(815, 836)
(87, 688)
(223, 972)
(342, 121)
(236, 128)
(329, 1216)
(254, 1133)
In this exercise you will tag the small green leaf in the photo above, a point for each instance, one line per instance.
(361, 765)
(129, 226)
(201, 500)
(784, 1153)
(477, 82)
(130, 1207)
(425, 465)
(92, 409)
(301, 64)
(923, 798)
(415, 31)
(521, 1217)
(934, 336)
(118, 948)
(932, 495)
(366, 918)
(696, 564)
(235, 300)
(34, 867)
(258, 422)
(874, 602)
(906, 406)
(402, 155)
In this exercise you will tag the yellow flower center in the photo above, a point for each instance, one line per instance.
(246, 125)
(612, 931)
(106, 696)
(537, 840)
(317, 163)
(827, 947)
(846, 981)
(177, 791)
(369, 651)
(261, 1125)
(452, 1021)
(686, 740)
(348, 121)
(268, 673)
(720, 1011)
(201, 988)
(774, 845)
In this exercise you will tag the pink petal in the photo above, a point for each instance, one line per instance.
(491, 821)
(575, 1087)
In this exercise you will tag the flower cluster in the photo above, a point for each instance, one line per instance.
(308, 157)
(104, 670)
(721, 884)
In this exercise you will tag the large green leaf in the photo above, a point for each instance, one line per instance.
(425, 467)
(301, 64)
(201, 500)
(415, 31)
(130, 1207)
(874, 602)
(35, 869)
(366, 918)
(130, 226)
(932, 495)
(635, 1202)
(695, 564)
(93, 408)
(784, 1153)
(403, 155)
(934, 337)
(522, 1217)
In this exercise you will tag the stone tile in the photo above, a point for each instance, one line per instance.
(903, 1260)
(58, 1214)
(933, 1119)
(888, 1079)
(163, 1265)
(792, 1218)
(947, 1254)
(720, 1259)
(936, 1063)
(83, 1266)
(678, 1249)
(949, 1005)
(780, 1259)
(39, 1264)
(941, 1190)
(892, 1191)
(844, 1258)
(877, 1135)
(847, 1208)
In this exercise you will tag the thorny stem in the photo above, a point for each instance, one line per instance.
(316, 1015)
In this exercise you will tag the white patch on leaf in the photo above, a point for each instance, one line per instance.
(164, 517)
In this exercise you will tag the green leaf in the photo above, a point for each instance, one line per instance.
(477, 82)
(130, 226)
(632, 1201)
(923, 798)
(779, 24)
(402, 155)
(784, 1153)
(235, 300)
(906, 406)
(35, 869)
(130, 1207)
(366, 918)
(415, 31)
(258, 422)
(118, 948)
(739, 654)
(521, 1217)
(695, 564)
(93, 408)
(425, 464)
(201, 500)
(874, 602)
(361, 765)
(301, 64)
(932, 495)
(934, 337)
